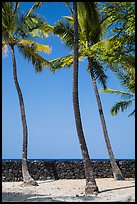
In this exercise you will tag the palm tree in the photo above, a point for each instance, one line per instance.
(16, 30)
(115, 169)
(89, 37)
(91, 186)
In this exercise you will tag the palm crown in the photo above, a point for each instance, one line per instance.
(65, 30)
(18, 29)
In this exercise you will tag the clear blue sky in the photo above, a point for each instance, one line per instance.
(49, 109)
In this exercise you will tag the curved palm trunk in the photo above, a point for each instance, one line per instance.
(26, 176)
(91, 186)
(115, 169)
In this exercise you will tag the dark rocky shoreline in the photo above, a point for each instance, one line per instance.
(43, 170)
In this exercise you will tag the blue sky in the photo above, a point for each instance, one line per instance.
(49, 109)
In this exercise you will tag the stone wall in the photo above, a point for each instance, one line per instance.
(42, 170)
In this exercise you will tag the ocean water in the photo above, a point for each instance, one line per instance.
(61, 159)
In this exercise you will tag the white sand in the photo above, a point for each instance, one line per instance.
(71, 190)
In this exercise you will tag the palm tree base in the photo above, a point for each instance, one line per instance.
(118, 177)
(90, 190)
(29, 183)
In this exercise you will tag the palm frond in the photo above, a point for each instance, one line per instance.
(99, 73)
(121, 105)
(42, 30)
(17, 5)
(89, 20)
(128, 63)
(35, 6)
(132, 113)
(120, 93)
(9, 20)
(65, 31)
(62, 62)
(69, 19)
(100, 46)
(33, 26)
(29, 53)
(126, 81)
(36, 46)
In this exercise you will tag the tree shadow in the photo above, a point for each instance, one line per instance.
(19, 197)
(112, 189)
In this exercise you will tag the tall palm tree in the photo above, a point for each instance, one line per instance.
(89, 39)
(92, 37)
(91, 185)
(16, 30)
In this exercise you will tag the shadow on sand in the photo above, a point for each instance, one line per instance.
(113, 189)
(19, 197)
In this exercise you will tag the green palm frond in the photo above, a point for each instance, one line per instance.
(120, 93)
(61, 62)
(121, 105)
(106, 22)
(100, 46)
(99, 73)
(16, 9)
(30, 54)
(69, 19)
(58, 63)
(33, 26)
(126, 80)
(35, 6)
(105, 44)
(89, 20)
(65, 31)
(9, 20)
(36, 46)
(42, 31)
(128, 63)
(129, 84)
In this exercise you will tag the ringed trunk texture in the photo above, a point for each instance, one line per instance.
(26, 176)
(91, 186)
(115, 169)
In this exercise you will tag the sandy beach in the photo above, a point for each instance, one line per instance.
(71, 190)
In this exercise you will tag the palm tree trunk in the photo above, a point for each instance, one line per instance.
(26, 176)
(91, 186)
(115, 169)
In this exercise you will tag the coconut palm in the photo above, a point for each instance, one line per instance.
(91, 37)
(16, 31)
(91, 185)
(89, 40)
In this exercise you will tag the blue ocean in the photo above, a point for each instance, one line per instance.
(62, 159)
